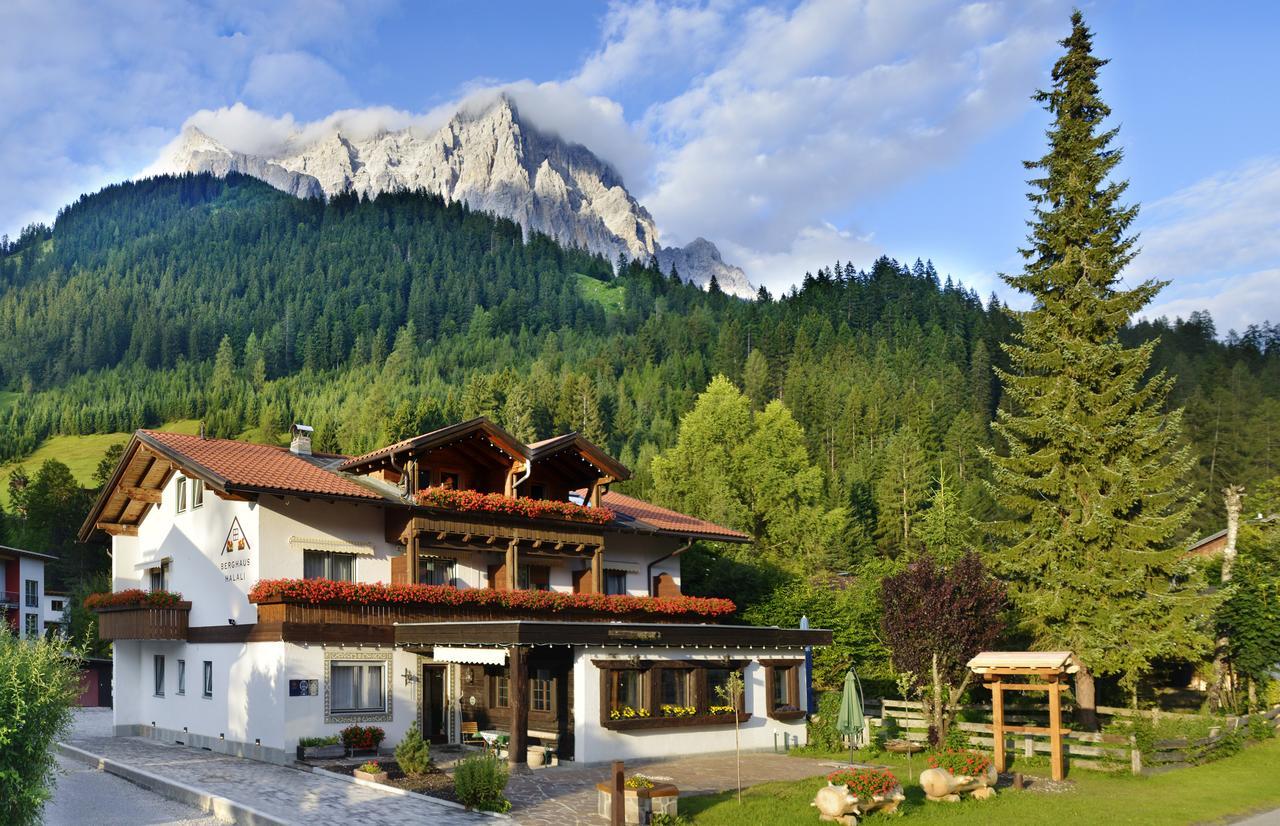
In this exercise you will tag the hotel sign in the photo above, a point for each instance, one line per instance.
(633, 634)
(233, 569)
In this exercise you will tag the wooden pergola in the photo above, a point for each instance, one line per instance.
(995, 667)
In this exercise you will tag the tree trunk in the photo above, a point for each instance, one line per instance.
(1086, 700)
(1220, 689)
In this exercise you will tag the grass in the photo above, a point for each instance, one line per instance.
(1241, 784)
(609, 296)
(79, 453)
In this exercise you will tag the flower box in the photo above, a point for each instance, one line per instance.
(379, 776)
(640, 805)
(470, 501)
(400, 602)
(659, 722)
(854, 793)
(134, 614)
(334, 751)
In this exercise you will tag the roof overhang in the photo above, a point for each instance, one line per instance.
(7, 552)
(605, 634)
(437, 438)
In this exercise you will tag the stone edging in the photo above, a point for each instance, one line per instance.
(205, 801)
(406, 793)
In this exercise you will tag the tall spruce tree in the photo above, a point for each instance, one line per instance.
(1095, 481)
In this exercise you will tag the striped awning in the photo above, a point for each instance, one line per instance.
(324, 543)
(469, 656)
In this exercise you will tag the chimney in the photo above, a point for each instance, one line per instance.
(301, 444)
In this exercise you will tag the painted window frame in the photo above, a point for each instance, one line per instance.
(499, 688)
(650, 674)
(197, 493)
(206, 680)
(31, 625)
(31, 593)
(182, 677)
(449, 563)
(783, 675)
(613, 574)
(328, 557)
(341, 658)
(544, 686)
(180, 495)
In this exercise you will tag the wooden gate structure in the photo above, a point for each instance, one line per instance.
(995, 667)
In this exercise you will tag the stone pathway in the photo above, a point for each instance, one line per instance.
(289, 794)
(566, 794)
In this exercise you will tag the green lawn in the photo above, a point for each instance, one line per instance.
(80, 453)
(610, 296)
(1248, 782)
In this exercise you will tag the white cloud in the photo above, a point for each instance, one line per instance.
(1218, 241)
(812, 248)
(297, 81)
(649, 39)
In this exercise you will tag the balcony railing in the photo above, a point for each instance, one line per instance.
(9, 598)
(144, 622)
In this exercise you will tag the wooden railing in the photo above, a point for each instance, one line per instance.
(386, 615)
(1085, 749)
(140, 622)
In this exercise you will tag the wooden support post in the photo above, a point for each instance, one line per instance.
(1135, 756)
(1055, 729)
(597, 571)
(997, 724)
(618, 798)
(513, 561)
(518, 665)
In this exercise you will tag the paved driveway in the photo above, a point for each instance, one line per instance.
(85, 795)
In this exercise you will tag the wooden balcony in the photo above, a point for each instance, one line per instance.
(143, 622)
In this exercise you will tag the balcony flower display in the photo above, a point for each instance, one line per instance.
(133, 598)
(475, 502)
(321, 591)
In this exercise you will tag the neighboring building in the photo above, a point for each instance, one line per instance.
(1214, 543)
(22, 597)
(55, 611)
(249, 670)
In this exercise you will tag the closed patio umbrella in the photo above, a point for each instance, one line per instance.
(850, 720)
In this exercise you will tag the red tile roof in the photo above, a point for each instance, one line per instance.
(259, 467)
(630, 510)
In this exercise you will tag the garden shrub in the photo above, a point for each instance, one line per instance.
(956, 739)
(823, 735)
(39, 682)
(480, 781)
(414, 753)
(1260, 728)
(316, 742)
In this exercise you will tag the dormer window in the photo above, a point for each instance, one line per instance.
(181, 488)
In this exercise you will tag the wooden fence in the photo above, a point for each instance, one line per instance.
(1087, 750)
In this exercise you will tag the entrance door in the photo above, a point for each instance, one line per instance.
(104, 684)
(434, 720)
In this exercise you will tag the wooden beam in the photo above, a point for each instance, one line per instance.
(997, 724)
(230, 497)
(116, 529)
(597, 571)
(491, 539)
(513, 561)
(1055, 731)
(141, 494)
(442, 536)
(518, 745)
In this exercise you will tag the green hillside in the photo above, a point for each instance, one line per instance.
(79, 453)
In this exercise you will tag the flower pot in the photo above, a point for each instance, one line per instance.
(941, 785)
(536, 757)
(376, 777)
(639, 805)
(333, 752)
(836, 804)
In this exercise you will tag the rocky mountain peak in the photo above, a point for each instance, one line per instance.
(487, 157)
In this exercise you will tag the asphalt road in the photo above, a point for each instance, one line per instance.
(87, 796)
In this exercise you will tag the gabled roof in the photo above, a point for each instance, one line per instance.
(637, 514)
(440, 436)
(574, 440)
(7, 551)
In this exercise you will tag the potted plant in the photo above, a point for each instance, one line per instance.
(320, 748)
(853, 793)
(371, 770)
(644, 798)
(953, 772)
(362, 738)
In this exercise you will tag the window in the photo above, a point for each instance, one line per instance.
(718, 679)
(782, 689)
(354, 688)
(534, 578)
(673, 687)
(538, 491)
(541, 690)
(182, 494)
(182, 676)
(160, 577)
(328, 565)
(436, 570)
(207, 690)
(626, 689)
(32, 622)
(197, 493)
(500, 690)
(157, 666)
(781, 695)
(33, 593)
(450, 481)
(55, 605)
(615, 582)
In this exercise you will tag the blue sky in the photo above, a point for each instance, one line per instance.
(791, 134)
